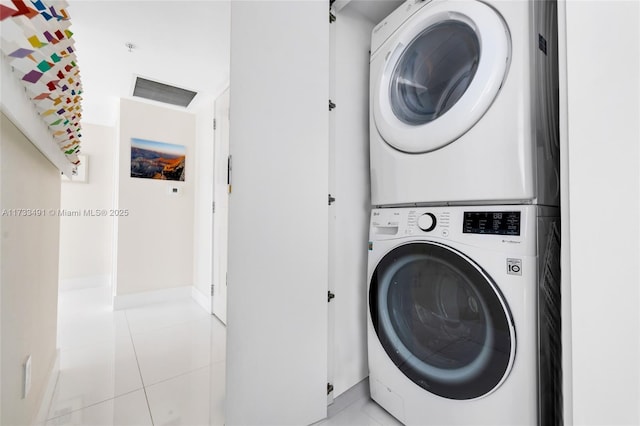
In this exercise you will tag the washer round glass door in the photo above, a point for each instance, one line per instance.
(439, 75)
(442, 320)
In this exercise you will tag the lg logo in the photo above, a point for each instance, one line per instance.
(514, 266)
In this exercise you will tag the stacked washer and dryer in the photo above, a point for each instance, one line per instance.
(464, 297)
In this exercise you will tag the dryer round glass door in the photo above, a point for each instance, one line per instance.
(442, 320)
(440, 75)
(433, 72)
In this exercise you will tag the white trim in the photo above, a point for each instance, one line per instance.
(201, 299)
(66, 284)
(20, 110)
(135, 300)
(47, 396)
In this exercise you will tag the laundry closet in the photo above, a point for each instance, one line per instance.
(299, 211)
(298, 154)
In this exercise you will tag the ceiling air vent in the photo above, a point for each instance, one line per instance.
(160, 92)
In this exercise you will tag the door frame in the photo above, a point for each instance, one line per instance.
(220, 208)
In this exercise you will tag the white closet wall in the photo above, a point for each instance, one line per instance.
(600, 209)
(350, 184)
(278, 214)
(351, 188)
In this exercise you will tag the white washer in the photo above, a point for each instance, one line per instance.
(464, 314)
(464, 104)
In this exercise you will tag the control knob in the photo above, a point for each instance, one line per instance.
(427, 222)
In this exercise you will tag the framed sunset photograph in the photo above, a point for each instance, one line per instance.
(157, 160)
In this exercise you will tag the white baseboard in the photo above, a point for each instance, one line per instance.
(66, 284)
(201, 299)
(47, 396)
(144, 298)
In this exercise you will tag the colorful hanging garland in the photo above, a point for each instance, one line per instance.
(38, 45)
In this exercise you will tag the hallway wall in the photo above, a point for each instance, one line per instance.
(29, 272)
(86, 240)
(155, 236)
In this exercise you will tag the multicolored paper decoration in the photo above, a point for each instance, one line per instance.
(38, 45)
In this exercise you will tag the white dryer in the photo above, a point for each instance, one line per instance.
(464, 104)
(464, 315)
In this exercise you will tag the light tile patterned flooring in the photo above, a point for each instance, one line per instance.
(161, 364)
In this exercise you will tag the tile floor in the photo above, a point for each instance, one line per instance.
(161, 364)
(156, 365)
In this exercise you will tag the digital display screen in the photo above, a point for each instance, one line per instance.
(496, 223)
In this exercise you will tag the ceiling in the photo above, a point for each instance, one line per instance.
(180, 43)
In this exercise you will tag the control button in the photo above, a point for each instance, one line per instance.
(445, 232)
(427, 222)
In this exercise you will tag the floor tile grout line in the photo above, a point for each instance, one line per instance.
(94, 404)
(178, 375)
(178, 324)
(53, 395)
(62, 352)
(129, 325)
(144, 388)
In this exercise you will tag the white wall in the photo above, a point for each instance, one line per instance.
(351, 187)
(29, 273)
(155, 241)
(86, 241)
(277, 276)
(601, 203)
(350, 184)
(203, 190)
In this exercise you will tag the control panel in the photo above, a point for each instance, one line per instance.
(494, 222)
(442, 221)
(501, 227)
(395, 223)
